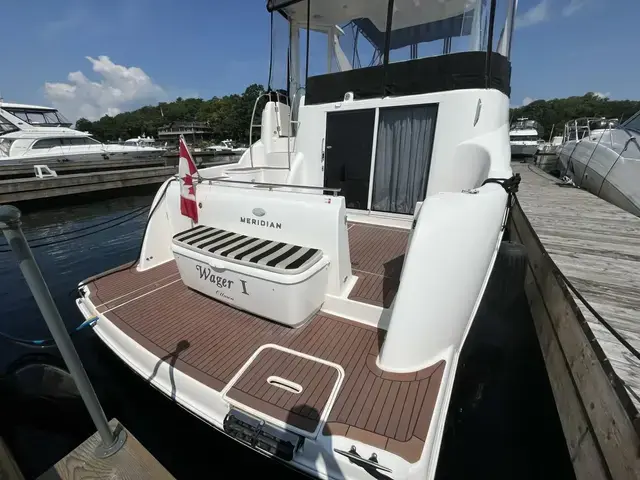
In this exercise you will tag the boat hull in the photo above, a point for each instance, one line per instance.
(604, 171)
(81, 157)
(523, 149)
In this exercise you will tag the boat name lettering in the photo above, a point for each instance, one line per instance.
(261, 223)
(207, 275)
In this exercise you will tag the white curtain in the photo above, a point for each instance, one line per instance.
(403, 156)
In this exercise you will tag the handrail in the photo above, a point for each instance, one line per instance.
(269, 185)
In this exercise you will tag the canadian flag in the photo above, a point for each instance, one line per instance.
(186, 170)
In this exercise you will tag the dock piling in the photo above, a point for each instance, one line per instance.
(10, 225)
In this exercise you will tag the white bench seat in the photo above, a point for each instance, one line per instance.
(278, 257)
(276, 280)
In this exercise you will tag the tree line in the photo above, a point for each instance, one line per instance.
(228, 116)
(553, 114)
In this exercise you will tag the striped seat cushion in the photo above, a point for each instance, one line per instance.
(270, 255)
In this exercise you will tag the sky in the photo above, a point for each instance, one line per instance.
(90, 57)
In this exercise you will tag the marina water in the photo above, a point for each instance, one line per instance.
(502, 421)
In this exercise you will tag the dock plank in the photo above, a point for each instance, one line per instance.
(131, 462)
(596, 245)
(9, 469)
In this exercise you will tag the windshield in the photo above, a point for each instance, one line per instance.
(525, 124)
(6, 126)
(633, 123)
(40, 118)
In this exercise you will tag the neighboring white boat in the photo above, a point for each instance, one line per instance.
(142, 141)
(31, 134)
(312, 300)
(603, 157)
(226, 147)
(523, 137)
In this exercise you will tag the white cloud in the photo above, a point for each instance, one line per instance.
(119, 88)
(527, 100)
(536, 14)
(574, 6)
(602, 95)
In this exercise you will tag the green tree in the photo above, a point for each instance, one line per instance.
(553, 114)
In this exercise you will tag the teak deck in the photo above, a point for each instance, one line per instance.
(211, 341)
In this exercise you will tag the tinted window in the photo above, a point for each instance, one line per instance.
(74, 141)
(633, 123)
(6, 125)
(36, 118)
(47, 143)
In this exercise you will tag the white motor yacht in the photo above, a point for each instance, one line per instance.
(523, 137)
(31, 134)
(312, 300)
(226, 147)
(603, 157)
(142, 141)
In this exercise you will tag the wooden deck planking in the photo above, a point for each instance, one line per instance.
(211, 341)
(131, 462)
(596, 245)
(377, 255)
(9, 469)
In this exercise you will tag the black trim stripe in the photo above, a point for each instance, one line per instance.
(300, 261)
(239, 246)
(266, 253)
(201, 236)
(230, 244)
(221, 237)
(197, 241)
(252, 249)
(187, 234)
(287, 254)
(226, 244)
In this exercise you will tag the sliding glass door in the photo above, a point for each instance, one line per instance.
(403, 156)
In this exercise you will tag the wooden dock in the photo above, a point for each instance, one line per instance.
(132, 461)
(66, 168)
(22, 189)
(595, 379)
(9, 469)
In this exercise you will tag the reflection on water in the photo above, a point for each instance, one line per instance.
(501, 431)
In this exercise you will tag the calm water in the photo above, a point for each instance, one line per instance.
(501, 424)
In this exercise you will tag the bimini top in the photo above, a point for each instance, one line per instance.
(413, 22)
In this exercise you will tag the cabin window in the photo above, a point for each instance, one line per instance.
(6, 126)
(47, 143)
(633, 123)
(22, 116)
(403, 157)
(75, 141)
(42, 118)
(36, 118)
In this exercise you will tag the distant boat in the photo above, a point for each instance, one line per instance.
(523, 137)
(603, 157)
(31, 134)
(226, 147)
(143, 141)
